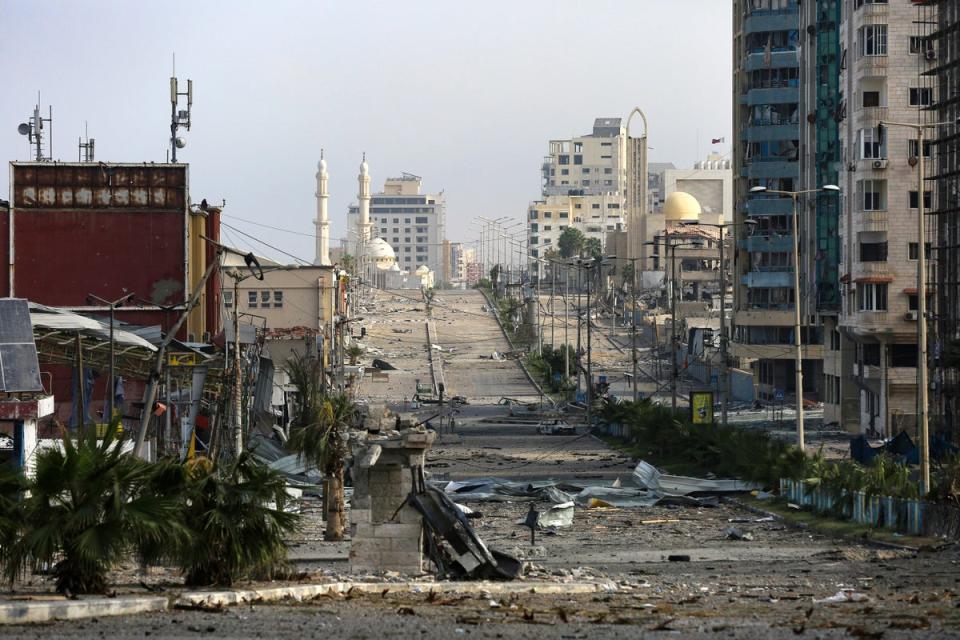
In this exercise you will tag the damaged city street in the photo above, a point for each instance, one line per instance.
(506, 320)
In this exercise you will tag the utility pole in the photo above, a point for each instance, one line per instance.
(673, 328)
(589, 363)
(566, 326)
(237, 373)
(111, 379)
(553, 315)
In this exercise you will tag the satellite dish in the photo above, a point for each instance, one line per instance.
(180, 142)
(23, 129)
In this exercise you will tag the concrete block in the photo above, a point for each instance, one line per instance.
(396, 530)
(26, 611)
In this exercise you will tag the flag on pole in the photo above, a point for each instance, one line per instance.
(717, 140)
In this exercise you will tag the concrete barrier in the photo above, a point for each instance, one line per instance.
(25, 611)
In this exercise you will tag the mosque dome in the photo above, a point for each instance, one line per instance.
(422, 270)
(681, 207)
(381, 254)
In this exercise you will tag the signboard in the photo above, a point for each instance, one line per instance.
(701, 407)
(182, 359)
(778, 395)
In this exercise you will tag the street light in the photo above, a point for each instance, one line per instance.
(111, 390)
(922, 399)
(798, 357)
(724, 370)
(588, 264)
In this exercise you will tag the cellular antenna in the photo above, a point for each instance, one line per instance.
(34, 130)
(178, 117)
(85, 152)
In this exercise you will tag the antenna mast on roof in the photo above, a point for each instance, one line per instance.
(178, 118)
(33, 129)
(85, 149)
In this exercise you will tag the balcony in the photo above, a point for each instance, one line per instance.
(783, 20)
(769, 315)
(871, 67)
(768, 206)
(773, 95)
(871, 269)
(759, 168)
(870, 116)
(768, 279)
(873, 221)
(768, 244)
(778, 60)
(764, 131)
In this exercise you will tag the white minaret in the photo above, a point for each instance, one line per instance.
(363, 198)
(322, 231)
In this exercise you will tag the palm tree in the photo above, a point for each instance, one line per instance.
(354, 351)
(319, 436)
(89, 506)
(238, 520)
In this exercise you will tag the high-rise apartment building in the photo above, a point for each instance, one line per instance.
(413, 223)
(587, 184)
(883, 78)
(942, 47)
(766, 134)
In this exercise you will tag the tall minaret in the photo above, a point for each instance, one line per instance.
(322, 231)
(363, 197)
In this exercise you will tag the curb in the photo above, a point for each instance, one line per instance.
(299, 593)
(802, 526)
(24, 611)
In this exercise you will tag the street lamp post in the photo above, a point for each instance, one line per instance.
(923, 416)
(798, 355)
(111, 390)
(674, 372)
(588, 264)
(633, 321)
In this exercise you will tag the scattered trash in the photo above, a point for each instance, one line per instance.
(763, 495)
(616, 483)
(791, 505)
(560, 515)
(383, 365)
(844, 595)
(734, 533)
(649, 477)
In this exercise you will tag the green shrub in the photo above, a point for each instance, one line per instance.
(88, 508)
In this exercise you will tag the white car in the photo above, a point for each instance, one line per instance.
(556, 427)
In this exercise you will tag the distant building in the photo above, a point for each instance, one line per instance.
(413, 223)
(710, 181)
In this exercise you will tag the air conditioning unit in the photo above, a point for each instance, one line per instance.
(910, 315)
(930, 54)
(879, 164)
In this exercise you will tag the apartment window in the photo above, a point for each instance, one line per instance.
(913, 302)
(915, 200)
(921, 96)
(396, 229)
(533, 215)
(228, 299)
(870, 145)
(564, 215)
(577, 159)
(265, 299)
(534, 227)
(903, 355)
(577, 147)
(871, 98)
(423, 220)
(913, 146)
(913, 252)
(407, 240)
(860, 3)
(563, 159)
(595, 205)
(421, 229)
(421, 249)
(406, 220)
(421, 238)
(534, 240)
(613, 205)
(604, 144)
(407, 259)
(870, 354)
(608, 182)
(396, 221)
(585, 170)
(873, 251)
(547, 214)
(873, 40)
(835, 341)
(586, 183)
(874, 194)
(548, 228)
(872, 297)
(920, 44)
(252, 299)
(564, 182)
(278, 299)
(564, 172)
(396, 241)
(383, 230)
(607, 170)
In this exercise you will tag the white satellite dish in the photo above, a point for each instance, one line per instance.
(181, 143)
(24, 128)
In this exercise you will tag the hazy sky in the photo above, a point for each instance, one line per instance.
(465, 94)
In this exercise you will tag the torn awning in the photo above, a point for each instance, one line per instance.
(873, 279)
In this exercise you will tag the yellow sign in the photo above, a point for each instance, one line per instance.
(701, 407)
(182, 359)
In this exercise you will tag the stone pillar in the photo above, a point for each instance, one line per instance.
(385, 533)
